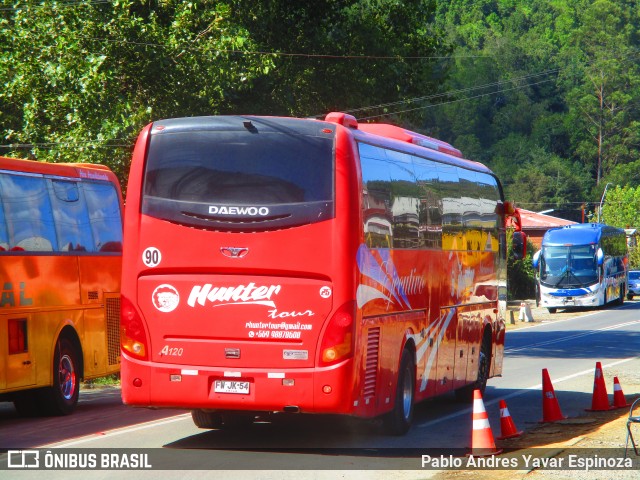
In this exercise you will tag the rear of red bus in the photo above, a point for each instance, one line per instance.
(238, 279)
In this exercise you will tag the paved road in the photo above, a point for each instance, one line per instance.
(567, 348)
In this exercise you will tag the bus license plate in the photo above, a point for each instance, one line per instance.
(231, 386)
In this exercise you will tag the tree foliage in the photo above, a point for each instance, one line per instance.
(544, 92)
(81, 79)
(520, 273)
(620, 207)
(560, 81)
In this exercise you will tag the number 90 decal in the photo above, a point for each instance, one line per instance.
(151, 257)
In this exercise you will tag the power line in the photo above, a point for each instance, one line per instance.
(88, 143)
(397, 112)
(291, 54)
(79, 3)
(52, 144)
(452, 92)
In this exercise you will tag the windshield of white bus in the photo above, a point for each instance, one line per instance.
(568, 266)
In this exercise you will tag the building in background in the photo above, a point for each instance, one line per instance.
(536, 224)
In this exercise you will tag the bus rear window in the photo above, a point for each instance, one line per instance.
(239, 179)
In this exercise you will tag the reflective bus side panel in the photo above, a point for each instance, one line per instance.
(60, 256)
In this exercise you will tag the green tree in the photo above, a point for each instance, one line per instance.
(82, 79)
(520, 273)
(546, 181)
(557, 76)
(340, 55)
(602, 77)
(620, 207)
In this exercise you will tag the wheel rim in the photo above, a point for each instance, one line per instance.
(67, 377)
(407, 394)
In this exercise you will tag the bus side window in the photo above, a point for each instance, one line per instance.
(30, 223)
(72, 218)
(452, 209)
(4, 234)
(105, 217)
(430, 202)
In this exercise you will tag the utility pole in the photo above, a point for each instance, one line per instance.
(602, 200)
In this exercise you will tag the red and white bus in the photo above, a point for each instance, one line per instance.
(297, 265)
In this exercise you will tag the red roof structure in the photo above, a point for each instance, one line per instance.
(536, 224)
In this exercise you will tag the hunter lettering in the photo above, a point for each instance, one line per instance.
(240, 295)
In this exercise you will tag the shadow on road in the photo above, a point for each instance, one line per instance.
(98, 411)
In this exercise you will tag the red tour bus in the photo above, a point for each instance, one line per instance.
(297, 265)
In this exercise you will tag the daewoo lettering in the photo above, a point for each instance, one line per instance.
(249, 211)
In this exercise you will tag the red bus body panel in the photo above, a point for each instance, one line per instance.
(261, 317)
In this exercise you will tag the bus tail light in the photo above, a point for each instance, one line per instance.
(133, 338)
(337, 341)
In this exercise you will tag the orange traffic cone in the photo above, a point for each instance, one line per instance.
(600, 399)
(507, 427)
(550, 407)
(482, 443)
(618, 395)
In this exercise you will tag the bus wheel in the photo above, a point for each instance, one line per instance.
(26, 403)
(629, 296)
(552, 310)
(62, 397)
(465, 394)
(398, 421)
(205, 419)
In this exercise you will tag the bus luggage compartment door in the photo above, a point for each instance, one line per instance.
(234, 321)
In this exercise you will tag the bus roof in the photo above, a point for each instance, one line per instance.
(71, 170)
(385, 135)
(578, 234)
(389, 135)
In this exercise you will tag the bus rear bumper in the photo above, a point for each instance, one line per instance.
(269, 390)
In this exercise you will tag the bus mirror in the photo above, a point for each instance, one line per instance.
(600, 256)
(536, 259)
(519, 245)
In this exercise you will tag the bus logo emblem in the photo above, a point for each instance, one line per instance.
(165, 298)
(234, 252)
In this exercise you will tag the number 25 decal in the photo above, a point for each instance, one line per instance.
(151, 257)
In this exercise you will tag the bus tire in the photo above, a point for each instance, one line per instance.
(62, 397)
(552, 310)
(205, 419)
(398, 421)
(26, 403)
(465, 394)
(629, 296)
